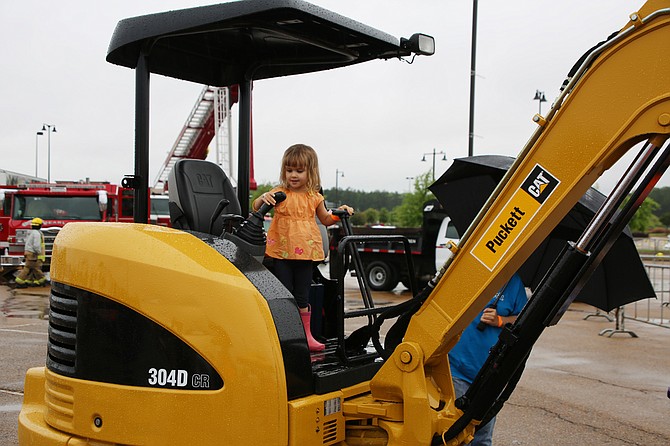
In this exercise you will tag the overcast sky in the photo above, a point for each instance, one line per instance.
(374, 122)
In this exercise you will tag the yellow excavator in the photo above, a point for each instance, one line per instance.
(164, 336)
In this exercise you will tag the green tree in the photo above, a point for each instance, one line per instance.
(371, 216)
(644, 217)
(665, 219)
(384, 216)
(661, 195)
(360, 200)
(410, 212)
(358, 219)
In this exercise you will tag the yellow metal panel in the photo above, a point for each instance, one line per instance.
(316, 420)
(187, 287)
(32, 426)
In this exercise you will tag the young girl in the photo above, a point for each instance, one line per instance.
(294, 240)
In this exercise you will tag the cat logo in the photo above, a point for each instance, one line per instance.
(514, 217)
(539, 184)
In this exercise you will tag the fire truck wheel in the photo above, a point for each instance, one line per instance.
(381, 276)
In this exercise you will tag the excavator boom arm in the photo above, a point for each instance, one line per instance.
(618, 98)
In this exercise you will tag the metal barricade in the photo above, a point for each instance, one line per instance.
(653, 311)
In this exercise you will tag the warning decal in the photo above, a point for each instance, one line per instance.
(514, 217)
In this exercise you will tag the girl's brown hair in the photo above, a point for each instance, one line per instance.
(301, 156)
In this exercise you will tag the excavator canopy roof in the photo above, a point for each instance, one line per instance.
(225, 44)
(238, 43)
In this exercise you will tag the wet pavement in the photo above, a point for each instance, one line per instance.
(23, 338)
(578, 387)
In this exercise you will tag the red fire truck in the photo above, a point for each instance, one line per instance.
(57, 204)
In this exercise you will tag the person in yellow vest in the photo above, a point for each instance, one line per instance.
(31, 274)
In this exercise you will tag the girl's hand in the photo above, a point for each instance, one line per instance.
(349, 209)
(268, 198)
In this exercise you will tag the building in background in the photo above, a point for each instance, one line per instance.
(9, 178)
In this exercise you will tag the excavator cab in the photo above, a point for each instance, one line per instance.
(207, 322)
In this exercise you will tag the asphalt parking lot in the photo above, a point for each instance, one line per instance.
(578, 387)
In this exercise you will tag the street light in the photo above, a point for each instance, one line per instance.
(338, 174)
(409, 183)
(51, 129)
(37, 135)
(434, 153)
(473, 75)
(539, 96)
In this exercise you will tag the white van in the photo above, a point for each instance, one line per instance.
(446, 234)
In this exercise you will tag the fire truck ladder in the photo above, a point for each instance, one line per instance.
(222, 124)
(211, 111)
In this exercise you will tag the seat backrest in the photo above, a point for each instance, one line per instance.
(196, 187)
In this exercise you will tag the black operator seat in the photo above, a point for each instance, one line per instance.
(200, 193)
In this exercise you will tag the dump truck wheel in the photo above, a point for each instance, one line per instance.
(381, 276)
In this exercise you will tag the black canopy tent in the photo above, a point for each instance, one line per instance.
(236, 43)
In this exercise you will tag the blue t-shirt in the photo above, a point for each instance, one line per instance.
(471, 351)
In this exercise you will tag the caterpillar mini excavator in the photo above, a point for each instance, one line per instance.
(207, 348)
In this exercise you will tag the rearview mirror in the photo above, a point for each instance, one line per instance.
(421, 44)
(102, 200)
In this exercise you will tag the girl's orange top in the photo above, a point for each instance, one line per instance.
(293, 233)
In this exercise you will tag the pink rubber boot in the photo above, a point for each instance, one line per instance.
(314, 345)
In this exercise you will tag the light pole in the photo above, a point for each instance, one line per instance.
(338, 174)
(473, 75)
(37, 135)
(539, 96)
(409, 184)
(434, 153)
(51, 129)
